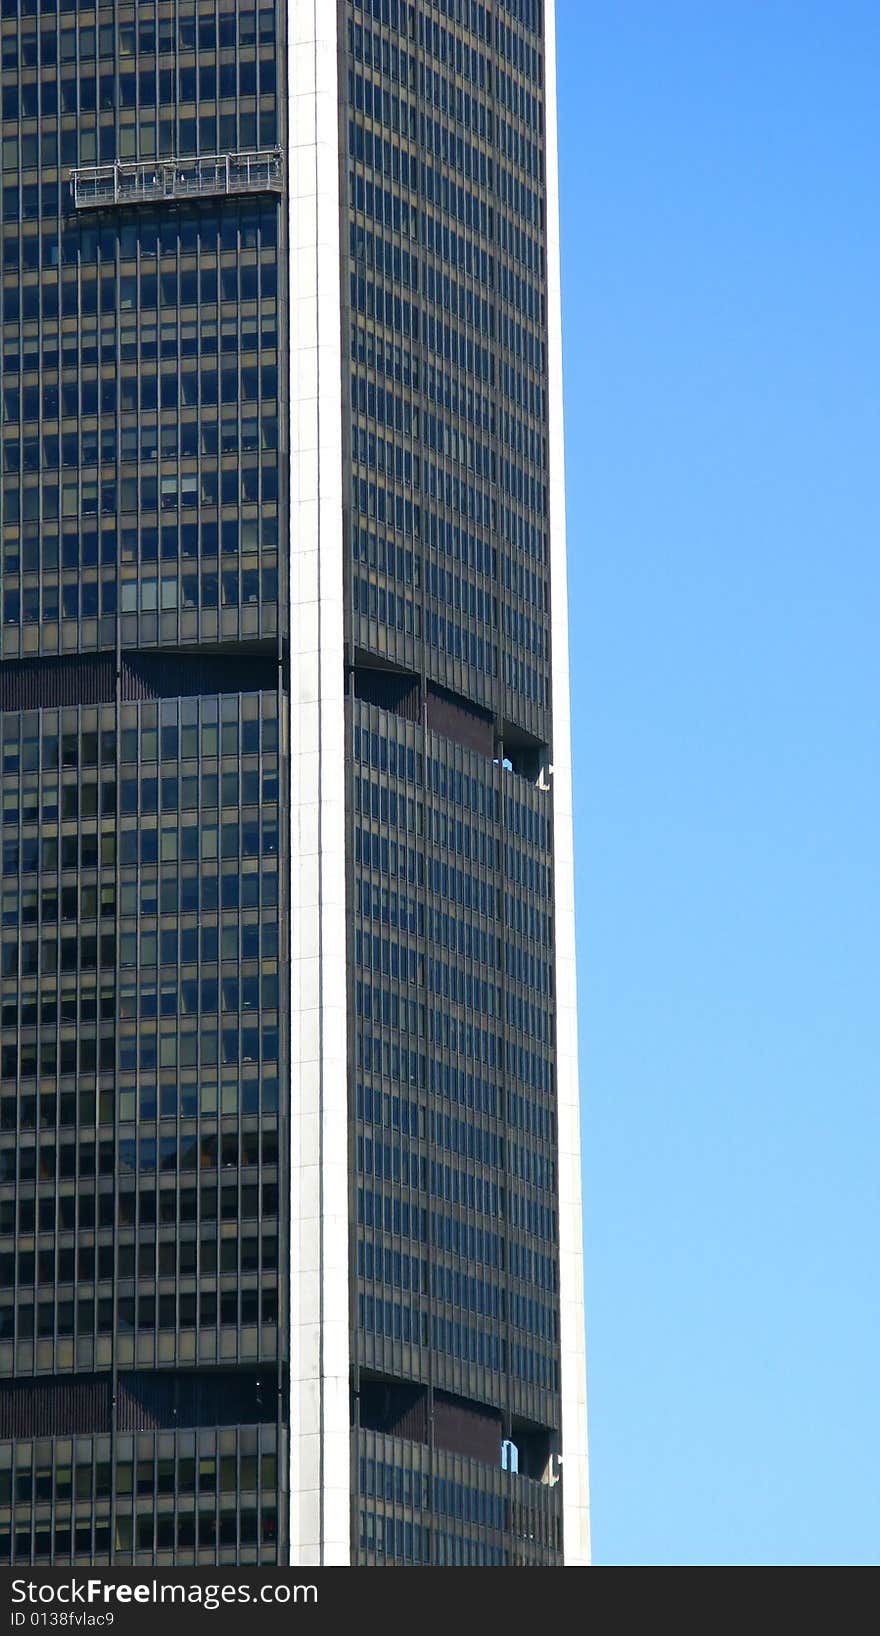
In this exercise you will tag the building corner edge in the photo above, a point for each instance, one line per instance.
(575, 1458)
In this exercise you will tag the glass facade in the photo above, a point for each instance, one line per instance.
(146, 734)
(455, 1242)
(142, 1086)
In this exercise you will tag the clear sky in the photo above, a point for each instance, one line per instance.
(721, 281)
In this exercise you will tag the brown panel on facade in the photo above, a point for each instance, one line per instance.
(46, 684)
(394, 1408)
(467, 1428)
(57, 1406)
(458, 719)
(390, 690)
(165, 675)
(149, 1400)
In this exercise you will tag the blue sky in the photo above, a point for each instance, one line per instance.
(721, 286)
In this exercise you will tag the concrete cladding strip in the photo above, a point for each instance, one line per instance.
(575, 1462)
(319, 1301)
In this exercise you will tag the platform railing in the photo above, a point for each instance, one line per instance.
(147, 181)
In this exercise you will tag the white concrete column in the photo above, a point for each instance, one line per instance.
(319, 1318)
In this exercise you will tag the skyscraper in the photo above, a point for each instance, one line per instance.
(290, 1232)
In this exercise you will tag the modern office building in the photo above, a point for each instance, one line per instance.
(290, 1229)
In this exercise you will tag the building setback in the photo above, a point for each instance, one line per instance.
(290, 1224)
